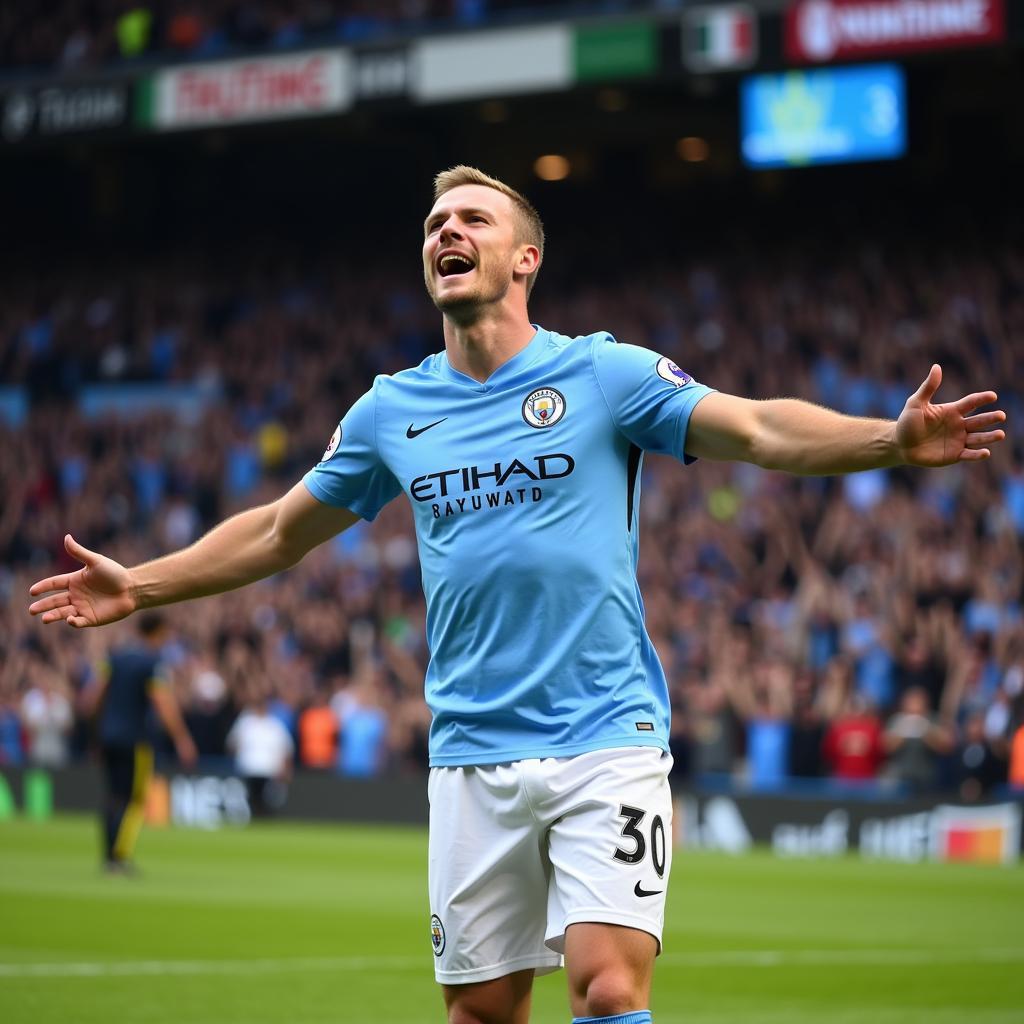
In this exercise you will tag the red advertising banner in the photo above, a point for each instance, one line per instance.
(826, 30)
(257, 89)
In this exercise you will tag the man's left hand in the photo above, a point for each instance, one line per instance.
(939, 435)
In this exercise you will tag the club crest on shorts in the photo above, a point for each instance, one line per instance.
(437, 938)
(332, 445)
(667, 370)
(544, 407)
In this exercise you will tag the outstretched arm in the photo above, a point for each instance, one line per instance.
(799, 437)
(249, 546)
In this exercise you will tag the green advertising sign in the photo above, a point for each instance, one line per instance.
(616, 51)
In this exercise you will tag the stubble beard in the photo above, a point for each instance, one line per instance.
(469, 307)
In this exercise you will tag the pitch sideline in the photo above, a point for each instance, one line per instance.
(721, 958)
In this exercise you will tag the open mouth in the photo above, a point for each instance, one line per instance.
(454, 264)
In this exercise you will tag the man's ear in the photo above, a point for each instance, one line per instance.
(529, 260)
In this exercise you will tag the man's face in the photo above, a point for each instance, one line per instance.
(471, 248)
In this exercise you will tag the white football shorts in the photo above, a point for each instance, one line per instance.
(520, 851)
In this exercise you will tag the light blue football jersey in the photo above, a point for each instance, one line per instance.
(524, 491)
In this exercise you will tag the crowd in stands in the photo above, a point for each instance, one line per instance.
(866, 630)
(72, 34)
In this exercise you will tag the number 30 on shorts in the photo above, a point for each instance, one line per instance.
(631, 830)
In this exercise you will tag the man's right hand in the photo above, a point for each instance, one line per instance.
(186, 750)
(94, 595)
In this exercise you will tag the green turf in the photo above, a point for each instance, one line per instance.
(301, 925)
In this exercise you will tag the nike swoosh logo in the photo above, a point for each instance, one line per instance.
(411, 432)
(646, 892)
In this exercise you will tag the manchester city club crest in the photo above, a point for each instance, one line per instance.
(436, 934)
(543, 407)
(668, 370)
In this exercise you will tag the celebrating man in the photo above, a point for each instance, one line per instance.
(520, 450)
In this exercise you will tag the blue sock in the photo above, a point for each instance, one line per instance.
(633, 1017)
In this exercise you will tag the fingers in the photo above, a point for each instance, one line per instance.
(75, 550)
(978, 436)
(973, 454)
(984, 419)
(979, 440)
(929, 385)
(58, 608)
(51, 583)
(969, 403)
(66, 611)
(49, 603)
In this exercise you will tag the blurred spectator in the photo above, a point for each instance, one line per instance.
(712, 725)
(807, 732)
(209, 714)
(263, 751)
(282, 707)
(979, 768)
(11, 749)
(865, 641)
(364, 730)
(318, 733)
(853, 749)
(1016, 773)
(913, 742)
(46, 713)
(133, 30)
(763, 699)
(918, 667)
(185, 29)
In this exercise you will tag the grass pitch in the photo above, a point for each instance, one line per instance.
(284, 924)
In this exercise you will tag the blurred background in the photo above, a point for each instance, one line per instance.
(212, 218)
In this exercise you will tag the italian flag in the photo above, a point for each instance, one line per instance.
(721, 37)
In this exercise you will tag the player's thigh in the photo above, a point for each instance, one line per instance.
(610, 847)
(504, 1000)
(609, 968)
(488, 877)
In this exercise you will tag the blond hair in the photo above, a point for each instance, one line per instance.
(531, 228)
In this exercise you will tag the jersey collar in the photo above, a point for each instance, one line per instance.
(522, 359)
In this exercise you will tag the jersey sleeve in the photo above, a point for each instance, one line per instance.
(650, 398)
(352, 473)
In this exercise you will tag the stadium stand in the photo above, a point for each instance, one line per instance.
(188, 307)
(71, 35)
(798, 619)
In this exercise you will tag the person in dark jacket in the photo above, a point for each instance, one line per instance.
(130, 681)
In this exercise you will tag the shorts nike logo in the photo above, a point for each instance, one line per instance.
(646, 892)
(411, 432)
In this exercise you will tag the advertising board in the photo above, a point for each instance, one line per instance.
(53, 111)
(829, 115)
(915, 830)
(258, 89)
(827, 30)
(910, 831)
